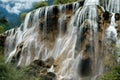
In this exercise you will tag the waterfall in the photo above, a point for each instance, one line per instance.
(75, 35)
(111, 5)
(111, 31)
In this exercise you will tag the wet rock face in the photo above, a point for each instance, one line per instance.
(49, 76)
(2, 39)
(117, 16)
(38, 68)
(84, 68)
(90, 41)
(49, 62)
(2, 42)
(117, 19)
(106, 16)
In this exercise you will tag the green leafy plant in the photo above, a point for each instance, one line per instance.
(23, 15)
(9, 72)
(40, 4)
(63, 1)
(1, 29)
(113, 74)
(4, 23)
(112, 64)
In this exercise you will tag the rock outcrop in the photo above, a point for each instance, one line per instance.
(2, 45)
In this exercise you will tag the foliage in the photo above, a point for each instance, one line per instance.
(23, 15)
(113, 66)
(1, 29)
(9, 72)
(110, 60)
(117, 53)
(40, 4)
(113, 74)
(1, 50)
(4, 23)
(63, 1)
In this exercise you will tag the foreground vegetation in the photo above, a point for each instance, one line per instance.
(112, 74)
(4, 24)
(8, 72)
(112, 65)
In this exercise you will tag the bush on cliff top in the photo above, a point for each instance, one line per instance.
(64, 1)
(4, 23)
(23, 15)
(40, 4)
(1, 29)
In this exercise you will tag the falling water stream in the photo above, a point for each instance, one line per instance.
(72, 43)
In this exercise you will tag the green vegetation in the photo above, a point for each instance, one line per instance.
(117, 53)
(4, 24)
(63, 1)
(1, 50)
(112, 65)
(35, 71)
(40, 4)
(23, 15)
(8, 72)
(113, 74)
(1, 29)
(35, 6)
(110, 61)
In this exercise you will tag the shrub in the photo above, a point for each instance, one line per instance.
(113, 71)
(63, 1)
(1, 29)
(113, 74)
(4, 23)
(23, 15)
(40, 4)
(9, 72)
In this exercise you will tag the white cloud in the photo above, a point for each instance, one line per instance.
(18, 6)
(12, 10)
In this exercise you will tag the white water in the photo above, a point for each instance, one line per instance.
(111, 5)
(69, 47)
(111, 31)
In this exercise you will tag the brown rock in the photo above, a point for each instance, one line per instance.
(49, 62)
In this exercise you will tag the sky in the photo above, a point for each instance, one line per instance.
(17, 6)
(11, 9)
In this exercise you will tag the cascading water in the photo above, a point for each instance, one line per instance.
(111, 5)
(69, 33)
(111, 31)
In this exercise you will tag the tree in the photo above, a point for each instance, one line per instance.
(4, 23)
(40, 4)
(23, 15)
(63, 1)
(1, 29)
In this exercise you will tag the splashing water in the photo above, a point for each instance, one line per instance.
(68, 33)
(111, 31)
(111, 5)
